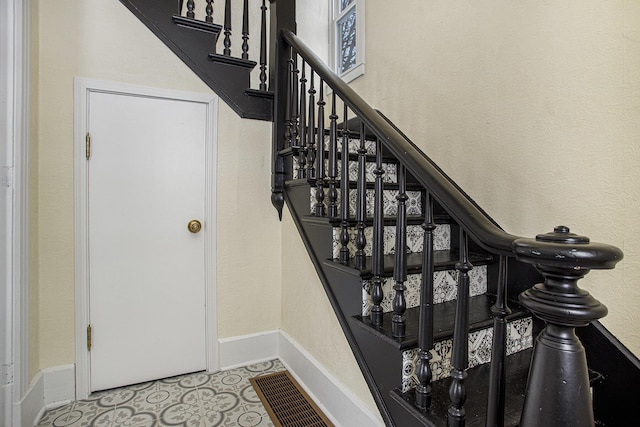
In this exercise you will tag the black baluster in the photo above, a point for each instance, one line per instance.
(263, 47)
(288, 103)
(320, 162)
(344, 190)
(425, 328)
(361, 209)
(190, 7)
(311, 123)
(209, 11)
(294, 101)
(377, 246)
(500, 310)
(227, 28)
(333, 166)
(302, 132)
(180, 5)
(398, 319)
(460, 357)
(245, 30)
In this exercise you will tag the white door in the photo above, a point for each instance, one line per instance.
(146, 181)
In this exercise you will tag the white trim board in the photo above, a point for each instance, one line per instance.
(49, 389)
(82, 88)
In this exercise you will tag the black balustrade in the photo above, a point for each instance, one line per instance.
(319, 208)
(398, 320)
(263, 47)
(333, 159)
(288, 134)
(190, 9)
(425, 328)
(245, 30)
(377, 245)
(209, 11)
(460, 357)
(295, 141)
(497, 376)
(344, 191)
(311, 123)
(302, 132)
(227, 28)
(361, 207)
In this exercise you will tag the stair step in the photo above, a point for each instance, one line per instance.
(197, 24)
(390, 175)
(476, 385)
(443, 260)
(415, 239)
(230, 60)
(444, 283)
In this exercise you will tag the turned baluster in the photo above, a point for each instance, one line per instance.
(320, 161)
(497, 375)
(263, 47)
(361, 209)
(227, 28)
(558, 390)
(288, 136)
(425, 328)
(344, 192)
(190, 7)
(333, 166)
(245, 30)
(377, 245)
(294, 102)
(209, 11)
(398, 319)
(460, 356)
(302, 134)
(311, 136)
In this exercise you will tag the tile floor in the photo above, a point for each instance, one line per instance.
(196, 400)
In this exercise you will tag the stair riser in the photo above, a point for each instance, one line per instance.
(519, 337)
(415, 239)
(445, 288)
(390, 204)
(390, 175)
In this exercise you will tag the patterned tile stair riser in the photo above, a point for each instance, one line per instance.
(415, 238)
(390, 204)
(220, 399)
(519, 337)
(389, 177)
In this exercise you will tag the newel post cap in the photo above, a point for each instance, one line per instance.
(561, 248)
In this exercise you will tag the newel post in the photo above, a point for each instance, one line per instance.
(558, 385)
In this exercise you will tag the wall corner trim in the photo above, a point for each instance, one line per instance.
(49, 389)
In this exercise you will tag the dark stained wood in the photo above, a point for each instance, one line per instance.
(209, 11)
(245, 30)
(311, 130)
(361, 208)
(333, 159)
(344, 194)
(302, 130)
(400, 263)
(227, 28)
(263, 47)
(377, 258)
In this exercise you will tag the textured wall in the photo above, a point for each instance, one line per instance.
(533, 108)
(103, 40)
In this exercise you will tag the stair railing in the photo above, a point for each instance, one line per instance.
(561, 257)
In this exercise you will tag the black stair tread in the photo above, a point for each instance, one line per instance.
(259, 93)
(197, 24)
(476, 385)
(443, 260)
(480, 317)
(225, 59)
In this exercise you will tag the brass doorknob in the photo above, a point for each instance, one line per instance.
(194, 226)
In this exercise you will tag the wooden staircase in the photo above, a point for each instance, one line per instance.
(440, 306)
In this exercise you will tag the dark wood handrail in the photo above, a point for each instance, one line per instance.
(478, 225)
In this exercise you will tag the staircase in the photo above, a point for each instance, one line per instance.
(439, 305)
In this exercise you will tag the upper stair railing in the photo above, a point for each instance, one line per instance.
(558, 385)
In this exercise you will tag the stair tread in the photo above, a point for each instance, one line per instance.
(476, 385)
(198, 24)
(231, 60)
(443, 260)
(480, 317)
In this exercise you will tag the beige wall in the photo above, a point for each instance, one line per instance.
(533, 108)
(103, 40)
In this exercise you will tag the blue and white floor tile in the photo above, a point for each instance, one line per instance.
(195, 400)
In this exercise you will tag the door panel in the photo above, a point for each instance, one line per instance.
(146, 178)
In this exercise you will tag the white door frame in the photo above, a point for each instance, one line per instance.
(83, 87)
(14, 220)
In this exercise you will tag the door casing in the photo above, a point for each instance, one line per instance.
(82, 88)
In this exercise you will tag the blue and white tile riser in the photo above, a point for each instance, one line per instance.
(390, 204)
(519, 337)
(445, 288)
(415, 239)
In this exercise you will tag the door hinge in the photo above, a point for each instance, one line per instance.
(89, 338)
(88, 146)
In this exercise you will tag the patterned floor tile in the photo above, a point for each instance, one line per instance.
(195, 400)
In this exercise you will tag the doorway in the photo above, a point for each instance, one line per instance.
(145, 233)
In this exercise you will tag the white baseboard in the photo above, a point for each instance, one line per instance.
(50, 388)
(337, 402)
(247, 349)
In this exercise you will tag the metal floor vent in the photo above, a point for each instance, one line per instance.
(287, 403)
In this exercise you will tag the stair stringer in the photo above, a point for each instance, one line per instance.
(344, 293)
(229, 81)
